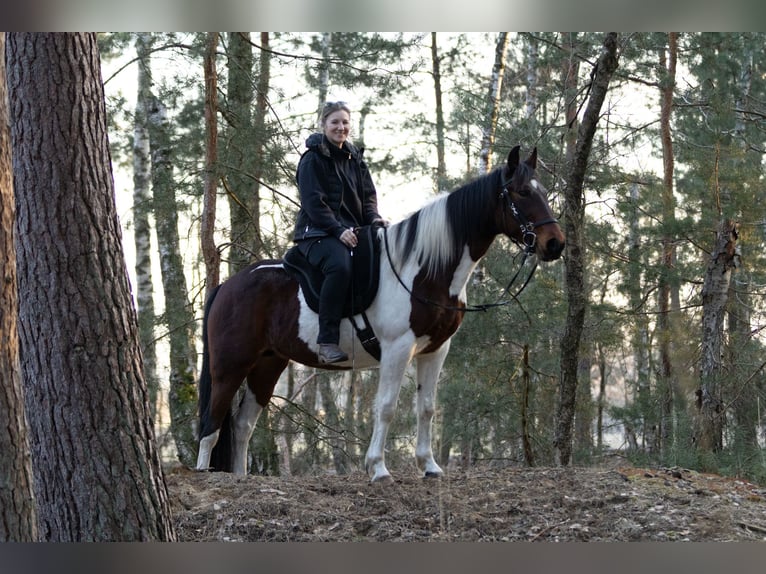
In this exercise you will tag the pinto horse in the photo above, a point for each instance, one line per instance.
(258, 320)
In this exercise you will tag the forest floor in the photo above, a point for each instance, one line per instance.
(616, 503)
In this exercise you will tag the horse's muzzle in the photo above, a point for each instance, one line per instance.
(552, 250)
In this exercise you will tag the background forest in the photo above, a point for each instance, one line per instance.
(206, 131)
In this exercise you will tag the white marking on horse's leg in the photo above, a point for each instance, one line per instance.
(244, 424)
(429, 368)
(392, 367)
(206, 445)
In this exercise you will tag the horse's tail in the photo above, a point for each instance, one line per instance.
(221, 458)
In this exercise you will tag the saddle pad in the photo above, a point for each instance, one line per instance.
(365, 276)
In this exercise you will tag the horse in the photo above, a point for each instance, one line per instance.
(257, 321)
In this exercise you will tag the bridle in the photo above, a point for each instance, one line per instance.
(527, 245)
(528, 235)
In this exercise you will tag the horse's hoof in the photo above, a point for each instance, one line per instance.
(432, 475)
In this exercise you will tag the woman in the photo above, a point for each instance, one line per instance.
(337, 195)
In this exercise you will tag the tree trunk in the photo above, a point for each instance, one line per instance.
(18, 522)
(254, 235)
(207, 232)
(441, 166)
(531, 100)
(178, 315)
(493, 103)
(574, 257)
(142, 208)
(239, 150)
(332, 422)
(529, 455)
(97, 470)
(640, 328)
(665, 318)
(715, 289)
(324, 74)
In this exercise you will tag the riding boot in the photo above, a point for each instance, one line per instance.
(331, 353)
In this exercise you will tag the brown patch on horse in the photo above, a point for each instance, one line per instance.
(434, 312)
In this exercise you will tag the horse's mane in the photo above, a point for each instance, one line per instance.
(435, 236)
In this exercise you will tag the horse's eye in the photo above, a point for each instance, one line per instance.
(525, 191)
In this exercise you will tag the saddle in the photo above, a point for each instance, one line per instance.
(364, 283)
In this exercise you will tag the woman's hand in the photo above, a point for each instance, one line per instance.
(348, 237)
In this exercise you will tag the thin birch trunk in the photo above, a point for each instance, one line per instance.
(142, 231)
(493, 103)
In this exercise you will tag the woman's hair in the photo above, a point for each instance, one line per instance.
(330, 107)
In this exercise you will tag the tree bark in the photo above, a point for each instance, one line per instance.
(574, 256)
(97, 470)
(18, 521)
(493, 103)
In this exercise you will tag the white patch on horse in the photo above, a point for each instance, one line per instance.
(308, 323)
(534, 184)
(462, 274)
(434, 244)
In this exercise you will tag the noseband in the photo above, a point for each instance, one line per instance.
(527, 227)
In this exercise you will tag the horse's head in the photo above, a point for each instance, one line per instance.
(524, 213)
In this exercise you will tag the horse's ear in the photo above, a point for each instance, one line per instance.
(531, 161)
(513, 159)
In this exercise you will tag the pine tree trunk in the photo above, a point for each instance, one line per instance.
(441, 166)
(239, 153)
(493, 103)
(178, 316)
(665, 319)
(529, 455)
(96, 467)
(18, 521)
(324, 74)
(142, 208)
(207, 228)
(574, 256)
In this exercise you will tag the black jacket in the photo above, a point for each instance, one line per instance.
(336, 190)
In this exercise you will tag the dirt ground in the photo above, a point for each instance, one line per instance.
(620, 503)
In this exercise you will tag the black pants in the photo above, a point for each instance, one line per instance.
(334, 260)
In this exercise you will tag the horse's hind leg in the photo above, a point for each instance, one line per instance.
(260, 387)
(429, 368)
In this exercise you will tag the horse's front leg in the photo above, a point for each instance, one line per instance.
(393, 364)
(429, 368)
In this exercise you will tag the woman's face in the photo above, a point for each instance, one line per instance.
(337, 126)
